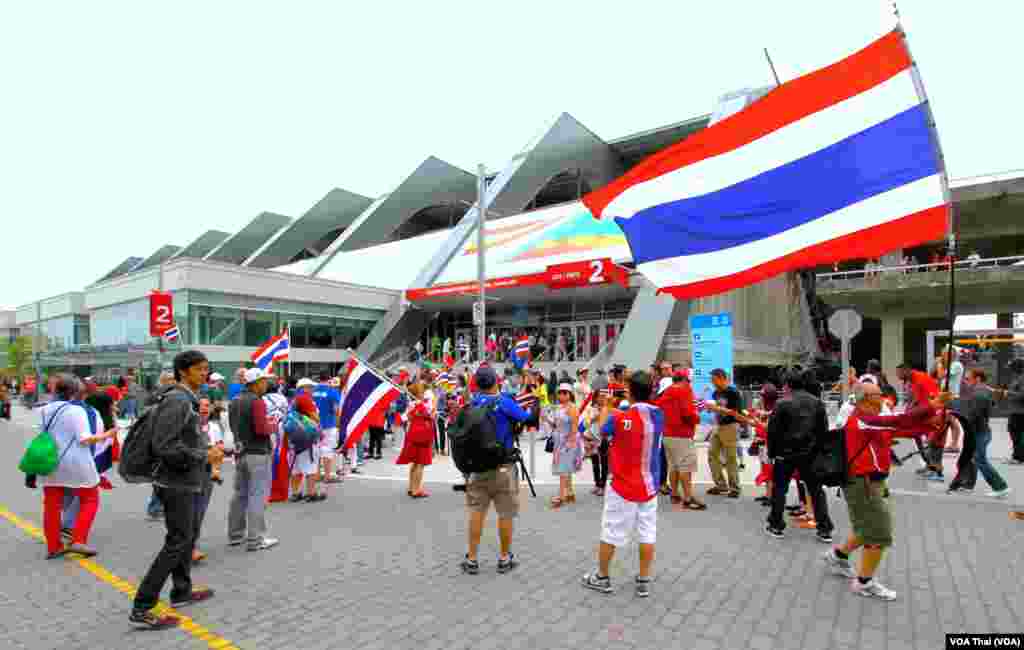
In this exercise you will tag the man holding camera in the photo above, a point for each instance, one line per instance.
(500, 485)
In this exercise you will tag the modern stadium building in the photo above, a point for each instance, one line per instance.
(378, 274)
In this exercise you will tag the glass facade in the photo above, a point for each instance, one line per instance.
(124, 324)
(64, 333)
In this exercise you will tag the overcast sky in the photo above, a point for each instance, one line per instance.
(129, 125)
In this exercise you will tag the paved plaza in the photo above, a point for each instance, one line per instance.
(370, 568)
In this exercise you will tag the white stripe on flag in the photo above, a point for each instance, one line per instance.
(792, 142)
(900, 202)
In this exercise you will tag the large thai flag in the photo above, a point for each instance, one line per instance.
(842, 163)
(521, 353)
(276, 349)
(367, 397)
(281, 469)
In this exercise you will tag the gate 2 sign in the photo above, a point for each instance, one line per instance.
(161, 313)
(585, 272)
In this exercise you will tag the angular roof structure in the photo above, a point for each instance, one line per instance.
(126, 266)
(240, 246)
(203, 244)
(332, 214)
(163, 254)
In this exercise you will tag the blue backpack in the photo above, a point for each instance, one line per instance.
(303, 433)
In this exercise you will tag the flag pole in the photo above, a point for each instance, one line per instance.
(952, 223)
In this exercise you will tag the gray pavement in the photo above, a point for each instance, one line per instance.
(370, 568)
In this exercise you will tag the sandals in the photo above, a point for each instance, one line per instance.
(1017, 515)
(694, 504)
(422, 494)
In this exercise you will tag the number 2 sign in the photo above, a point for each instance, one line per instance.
(161, 313)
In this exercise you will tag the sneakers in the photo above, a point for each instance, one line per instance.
(838, 565)
(935, 477)
(235, 542)
(923, 471)
(873, 589)
(602, 584)
(824, 538)
(150, 620)
(643, 587)
(198, 595)
(316, 498)
(999, 494)
(264, 544)
(472, 567)
(504, 566)
(770, 531)
(297, 498)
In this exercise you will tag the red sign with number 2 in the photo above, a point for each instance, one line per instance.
(161, 313)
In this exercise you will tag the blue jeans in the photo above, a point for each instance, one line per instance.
(129, 408)
(154, 506)
(992, 477)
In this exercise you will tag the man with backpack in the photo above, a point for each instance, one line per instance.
(177, 457)
(488, 419)
(253, 446)
(794, 430)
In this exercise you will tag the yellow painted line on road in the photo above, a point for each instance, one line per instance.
(127, 588)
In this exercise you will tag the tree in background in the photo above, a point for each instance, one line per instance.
(19, 356)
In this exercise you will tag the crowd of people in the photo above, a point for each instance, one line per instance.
(637, 428)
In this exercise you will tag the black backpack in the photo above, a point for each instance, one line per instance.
(474, 440)
(138, 463)
(829, 465)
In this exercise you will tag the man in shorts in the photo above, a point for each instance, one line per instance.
(681, 419)
(867, 451)
(631, 503)
(328, 403)
(499, 486)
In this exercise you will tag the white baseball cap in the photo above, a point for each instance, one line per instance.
(566, 387)
(216, 377)
(253, 375)
(306, 381)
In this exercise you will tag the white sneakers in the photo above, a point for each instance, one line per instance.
(999, 494)
(873, 589)
(844, 568)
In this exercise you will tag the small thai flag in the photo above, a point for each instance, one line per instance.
(276, 349)
(521, 353)
(172, 334)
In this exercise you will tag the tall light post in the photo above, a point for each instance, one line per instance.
(481, 255)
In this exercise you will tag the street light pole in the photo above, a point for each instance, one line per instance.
(481, 254)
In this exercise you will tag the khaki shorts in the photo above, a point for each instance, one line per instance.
(869, 511)
(681, 454)
(500, 486)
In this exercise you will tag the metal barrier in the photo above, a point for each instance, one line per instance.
(965, 265)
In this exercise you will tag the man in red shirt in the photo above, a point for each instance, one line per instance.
(681, 419)
(922, 390)
(868, 446)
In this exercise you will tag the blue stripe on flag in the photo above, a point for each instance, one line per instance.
(881, 158)
(356, 396)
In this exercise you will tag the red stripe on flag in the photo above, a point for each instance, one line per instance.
(374, 414)
(790, 102)
(915, 229)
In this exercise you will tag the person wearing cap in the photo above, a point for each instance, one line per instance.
(726, 403)
(581, 389)
(567, 454)
(248, 416)
(681, 420)
(499, 486)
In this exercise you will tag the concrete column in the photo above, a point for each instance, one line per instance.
(892, 345)
(1004, 353)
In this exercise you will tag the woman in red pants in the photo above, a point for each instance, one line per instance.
(76, 469)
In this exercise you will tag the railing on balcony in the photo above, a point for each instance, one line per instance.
(979, 264)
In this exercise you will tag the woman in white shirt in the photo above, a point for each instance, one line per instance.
(76, 469)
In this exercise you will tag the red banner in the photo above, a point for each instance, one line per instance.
(161, 313)
(585, 273)
(558, 276)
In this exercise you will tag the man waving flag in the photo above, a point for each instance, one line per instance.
(842, 163)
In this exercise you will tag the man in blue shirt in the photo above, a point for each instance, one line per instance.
(328, 402)
(501, 485)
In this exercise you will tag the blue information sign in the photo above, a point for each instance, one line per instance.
(710, 348)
